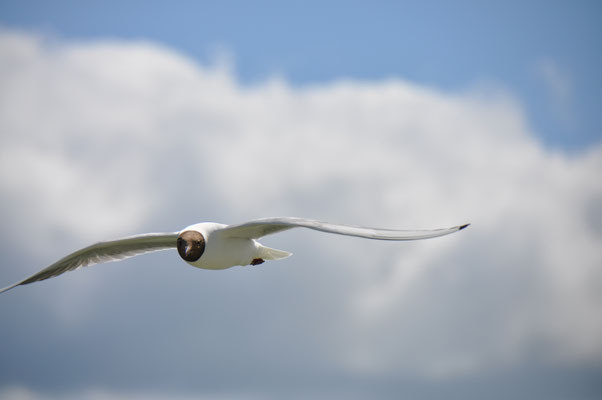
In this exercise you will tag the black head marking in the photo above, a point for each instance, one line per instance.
(191, 245)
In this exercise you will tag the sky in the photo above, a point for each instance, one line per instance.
(119, 118)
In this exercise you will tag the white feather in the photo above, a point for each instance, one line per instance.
(225, 246)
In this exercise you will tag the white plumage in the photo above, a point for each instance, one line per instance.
(211, 245)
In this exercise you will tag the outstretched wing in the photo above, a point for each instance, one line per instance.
(267, 226)
(112, 250)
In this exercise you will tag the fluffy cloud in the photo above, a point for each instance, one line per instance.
(106, 139)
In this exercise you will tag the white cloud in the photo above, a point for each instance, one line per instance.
(110, 138)
(558, 81)
(559, 84)
(20, 393)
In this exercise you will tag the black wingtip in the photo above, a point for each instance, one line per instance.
(463, 226)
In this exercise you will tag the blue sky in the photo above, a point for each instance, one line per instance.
(449, 45)
(119, 118)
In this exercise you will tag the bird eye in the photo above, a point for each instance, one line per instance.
(191, 245)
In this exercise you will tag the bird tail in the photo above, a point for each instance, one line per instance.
(268, 253)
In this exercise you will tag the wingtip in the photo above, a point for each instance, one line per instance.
(6, 289)
(463, 226)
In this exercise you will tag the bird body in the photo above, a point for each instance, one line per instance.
(222, 252)
(210, 245)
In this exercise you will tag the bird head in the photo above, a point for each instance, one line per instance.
(191, 245)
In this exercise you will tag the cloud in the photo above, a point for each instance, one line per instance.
(109, 138)
(19, 393)
(558, 81)
(559, 85)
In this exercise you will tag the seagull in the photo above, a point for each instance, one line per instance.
(209, 245)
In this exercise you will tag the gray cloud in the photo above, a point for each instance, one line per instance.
(107, 139)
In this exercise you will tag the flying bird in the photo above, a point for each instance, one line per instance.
(210, 245)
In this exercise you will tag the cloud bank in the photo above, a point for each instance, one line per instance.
(103, 139)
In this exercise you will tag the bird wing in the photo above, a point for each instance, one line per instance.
(112, 250)
(267, 226)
